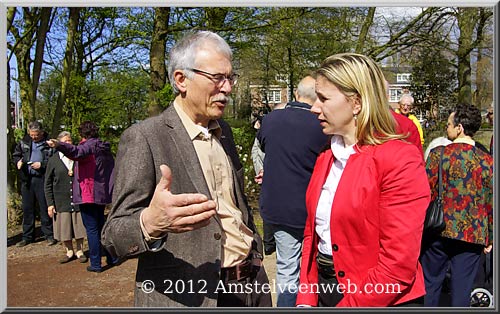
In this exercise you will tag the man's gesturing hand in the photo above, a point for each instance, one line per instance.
(175, 213)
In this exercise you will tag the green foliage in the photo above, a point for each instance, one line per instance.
(166, 95)
(244, 136)
(14, 209)
(432, 80)
(18, 134)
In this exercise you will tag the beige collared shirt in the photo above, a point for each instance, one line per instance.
(236, 238)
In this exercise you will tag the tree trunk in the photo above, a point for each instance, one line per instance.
(158, 75)
(41, 36)
(364, 30)
(466, 23)
(74, 16)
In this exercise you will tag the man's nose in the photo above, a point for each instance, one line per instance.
(226, 87)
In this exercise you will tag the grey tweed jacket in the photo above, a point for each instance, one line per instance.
(185, 271)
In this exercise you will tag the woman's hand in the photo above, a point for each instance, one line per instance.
(52, 210)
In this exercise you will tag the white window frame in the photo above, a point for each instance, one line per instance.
(403, 77)
(273, 96)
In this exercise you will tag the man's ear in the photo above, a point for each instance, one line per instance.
(180, 80)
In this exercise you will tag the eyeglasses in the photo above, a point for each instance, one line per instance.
(218, 78)
(406, 105)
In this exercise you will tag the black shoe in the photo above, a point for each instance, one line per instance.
(269, 251)
(94, 270)
(112, 263)
(51, 241)
(22, 243)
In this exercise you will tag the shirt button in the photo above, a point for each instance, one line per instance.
(217, 236)
(341, 273)
(335, 247)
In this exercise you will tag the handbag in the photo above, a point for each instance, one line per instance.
(434, 217)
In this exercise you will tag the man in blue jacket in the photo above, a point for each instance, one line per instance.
(291, 139)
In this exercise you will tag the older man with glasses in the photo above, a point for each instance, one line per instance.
(178, 202)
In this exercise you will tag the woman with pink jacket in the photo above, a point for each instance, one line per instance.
(92, 186)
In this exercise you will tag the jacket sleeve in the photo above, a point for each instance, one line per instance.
(404, 196)
(18, 153)
(49, 184)
(305, 295)
(77, 152)
(257, 156)
(122, 234)
(431, 168)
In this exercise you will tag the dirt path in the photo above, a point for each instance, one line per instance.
(36, 279)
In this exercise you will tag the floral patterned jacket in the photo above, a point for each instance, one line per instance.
(467, 191)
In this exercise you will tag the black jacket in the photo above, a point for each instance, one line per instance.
(23, 152)
(58, 186)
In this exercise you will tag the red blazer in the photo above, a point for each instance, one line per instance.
(376, 224)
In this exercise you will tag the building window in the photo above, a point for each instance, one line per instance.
(273, 96)
(403, 77)
(395, 94)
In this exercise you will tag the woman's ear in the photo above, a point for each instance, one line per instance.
(180, 80)
(356, 108)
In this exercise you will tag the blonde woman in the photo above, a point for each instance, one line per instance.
(366, 199)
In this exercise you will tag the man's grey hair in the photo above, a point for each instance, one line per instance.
(183, 55)
(35, 126)
(63, 134)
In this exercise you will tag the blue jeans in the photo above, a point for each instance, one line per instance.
(93, 219)
(288, 254)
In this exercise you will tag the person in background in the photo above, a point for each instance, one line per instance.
(467, 175)
(405, 107)
(179, 202)
(31, 156)
(66, 217)
(92, 186)
(258, 165)
(405, 126)
(367, 197)
(291, 139)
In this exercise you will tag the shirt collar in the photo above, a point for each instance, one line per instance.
(341, 152)
(193, 129)
(465, 140)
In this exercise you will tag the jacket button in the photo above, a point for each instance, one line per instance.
(335, 247)
(341, 274)
(217, 236)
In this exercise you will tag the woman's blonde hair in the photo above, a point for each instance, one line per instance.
(358, 76)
